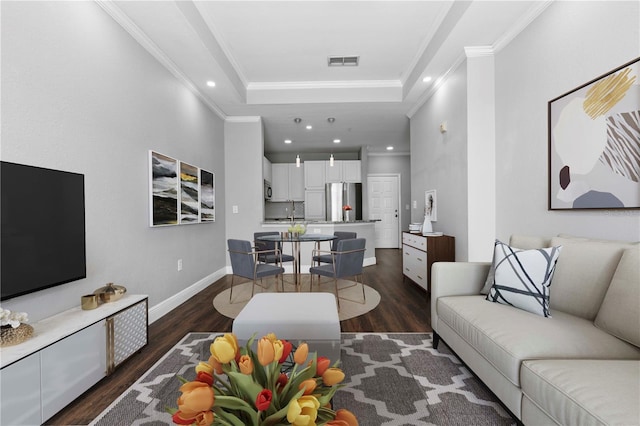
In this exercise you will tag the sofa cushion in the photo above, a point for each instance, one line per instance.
(584, 392)
(620, 310)
(506, 336)
(583, 274)
(522, 277)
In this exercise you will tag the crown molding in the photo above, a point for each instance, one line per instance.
(534, 11)
(296, 85)
(388, 154)
(243, 119)
(478, 51)
(138, 35)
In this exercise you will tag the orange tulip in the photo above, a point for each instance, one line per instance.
(301, 354)
(217, 367)
(204, 419)
(347, 417)
(266, 352)
(246, 364)
(196, 397)
(332, 376)
(323, 364)
(308, 385)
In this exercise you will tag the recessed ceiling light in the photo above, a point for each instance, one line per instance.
(287, 141)
(389, 148)
(297, 120)
(331, 119)
(309, 127)
(336, 141)
(426, 79)
(211, 83)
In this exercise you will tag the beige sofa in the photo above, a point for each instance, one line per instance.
(581, 366)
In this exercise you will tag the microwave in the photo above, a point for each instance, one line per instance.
(267, 191)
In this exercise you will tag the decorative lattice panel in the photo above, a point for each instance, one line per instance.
(129, 332)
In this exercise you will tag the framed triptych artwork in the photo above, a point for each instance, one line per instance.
(594, 143)
(179, 193)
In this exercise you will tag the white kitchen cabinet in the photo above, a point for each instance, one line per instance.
(288, 182)
(266, 169)
(314, 204)
(351, 171)
(314, 175)
(333, 174)
(343, 171)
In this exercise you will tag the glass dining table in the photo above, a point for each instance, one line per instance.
(295, 239)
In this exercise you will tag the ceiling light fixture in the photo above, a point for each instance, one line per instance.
(336, 141)
(331, 119)
(297, 160)
(309, 127)
(211, 83)
(331, 160)
(287, 141)
(297, 120)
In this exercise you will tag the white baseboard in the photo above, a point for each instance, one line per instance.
(166, 306)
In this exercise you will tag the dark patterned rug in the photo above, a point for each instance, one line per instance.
(392, 379)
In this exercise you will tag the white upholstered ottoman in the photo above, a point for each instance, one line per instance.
(296, 317)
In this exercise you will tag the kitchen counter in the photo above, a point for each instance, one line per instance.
(311, 222)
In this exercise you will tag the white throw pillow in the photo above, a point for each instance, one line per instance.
(522, 277)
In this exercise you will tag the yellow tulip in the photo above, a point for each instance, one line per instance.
(278, 349)
(272, 337)
(266, 353)
(308, 385)
(224, 348)
(332, 376)
(301, 354)
(246, 364)
(204, 366)
(303, 411)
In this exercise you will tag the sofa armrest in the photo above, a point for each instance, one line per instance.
(455, 279)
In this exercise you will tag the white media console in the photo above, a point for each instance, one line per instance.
(68, 353)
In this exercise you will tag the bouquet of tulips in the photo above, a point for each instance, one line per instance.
(238, 387)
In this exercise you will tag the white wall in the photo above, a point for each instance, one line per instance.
(568, 45)
(244, 145)
(79, 94)
(439, 160)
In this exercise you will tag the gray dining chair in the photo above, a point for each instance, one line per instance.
(244, 264)
(348, 260)
(273, 249)
(328, 258)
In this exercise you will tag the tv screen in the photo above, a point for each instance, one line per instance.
(43, 228)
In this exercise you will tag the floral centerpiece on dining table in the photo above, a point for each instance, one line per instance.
(238, 386)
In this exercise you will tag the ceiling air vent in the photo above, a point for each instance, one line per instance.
(343, 61)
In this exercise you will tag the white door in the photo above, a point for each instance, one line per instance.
(384, 204)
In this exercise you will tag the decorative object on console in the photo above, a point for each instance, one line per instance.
(110, 292)
(594, 155)
(430, 205)
(88, 302)
(523, 277)
(13, 329)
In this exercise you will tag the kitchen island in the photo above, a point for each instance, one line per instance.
(363, 228)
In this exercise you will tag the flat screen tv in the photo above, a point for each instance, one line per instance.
(42, 241)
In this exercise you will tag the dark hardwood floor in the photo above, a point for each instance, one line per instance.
(404, 307)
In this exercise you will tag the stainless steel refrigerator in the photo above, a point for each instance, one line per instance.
(340, 195)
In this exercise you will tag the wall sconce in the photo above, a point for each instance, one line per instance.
(297, 161)
(331, 160)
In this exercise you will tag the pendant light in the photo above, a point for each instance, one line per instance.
(297, 160)
(331, 160)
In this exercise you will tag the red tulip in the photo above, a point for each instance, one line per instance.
(323, 364)
(286, 350)
(263, 400)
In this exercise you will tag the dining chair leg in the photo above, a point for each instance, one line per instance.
(364, 296)
(253, 287)
(231, 292)
(335, 283)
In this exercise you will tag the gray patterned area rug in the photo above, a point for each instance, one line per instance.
(392, 379)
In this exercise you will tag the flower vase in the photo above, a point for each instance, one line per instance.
(346, 215)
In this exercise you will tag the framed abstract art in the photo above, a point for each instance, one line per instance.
(594, 143)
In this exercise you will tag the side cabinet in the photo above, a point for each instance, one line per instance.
(420, 252)
(68, 353)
